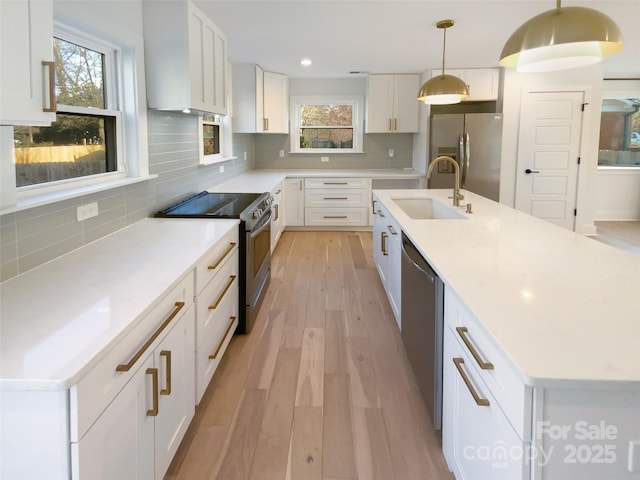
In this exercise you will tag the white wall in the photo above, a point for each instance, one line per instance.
(421, 139)
(617, 194)
(587, 79)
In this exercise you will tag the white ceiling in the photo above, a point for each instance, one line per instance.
(393, 36)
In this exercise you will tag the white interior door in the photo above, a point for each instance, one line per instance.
(548, 155)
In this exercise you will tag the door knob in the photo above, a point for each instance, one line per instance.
(528, 171)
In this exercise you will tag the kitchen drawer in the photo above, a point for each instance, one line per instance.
(478, 440)
(351, 217)
(513, 396)
(99, 387)
(221, 290)
(215, 329)
(214, 260)
(337, 183)
(337, 198)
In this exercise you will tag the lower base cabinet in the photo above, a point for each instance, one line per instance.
(137, 436)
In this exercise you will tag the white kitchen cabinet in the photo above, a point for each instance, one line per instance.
(217, 306)
(27, 96)
(260, 100)
(294, 202)
(340, 202)
(185, 58)
(483, 83)
(139, 433)
(277, 218)
(392, 104)
(387, 244)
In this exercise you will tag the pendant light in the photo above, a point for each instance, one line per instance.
(561, 38)
(443, 89)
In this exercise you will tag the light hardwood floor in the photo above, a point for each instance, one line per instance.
(321, 388)
(623, 235)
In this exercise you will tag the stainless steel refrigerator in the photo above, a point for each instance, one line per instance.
(474, 140)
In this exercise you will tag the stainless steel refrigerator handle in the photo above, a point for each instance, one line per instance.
(418, 267)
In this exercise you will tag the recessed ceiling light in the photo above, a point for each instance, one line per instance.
(305, 62)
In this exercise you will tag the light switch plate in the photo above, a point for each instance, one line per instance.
(87, 211)
(324, 159)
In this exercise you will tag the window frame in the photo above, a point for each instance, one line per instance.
(357, 101)
(224, 134)
(133, 151)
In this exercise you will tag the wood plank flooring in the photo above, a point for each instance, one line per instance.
(623, 235)
(321, 388)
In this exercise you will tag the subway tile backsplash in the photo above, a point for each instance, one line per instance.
(35, 236)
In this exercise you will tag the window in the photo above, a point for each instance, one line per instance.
(83, 140)
(327, 124)
(209, 133)
(620, 133)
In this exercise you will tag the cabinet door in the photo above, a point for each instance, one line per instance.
(394, 245)
(275, 103)
(294, 202)
(207, 64)
(26, 36)
(277, 220)
(380, 104)
(478, 441)
(406, 103)
(380, 237)
(174, 359)
(483, 83)
(120, 442)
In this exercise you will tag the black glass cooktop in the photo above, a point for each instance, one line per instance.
(210, 205)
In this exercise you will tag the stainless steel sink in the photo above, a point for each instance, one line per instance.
(427, 209)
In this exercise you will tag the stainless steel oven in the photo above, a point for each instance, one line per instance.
(254, 212)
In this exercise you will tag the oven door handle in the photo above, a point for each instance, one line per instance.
(261, 226)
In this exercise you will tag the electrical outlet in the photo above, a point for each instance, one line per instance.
(634, 456)
(281, 153)
(87, 211)
(391, 153)
(324, 159)
(221, 169)
(245, 155)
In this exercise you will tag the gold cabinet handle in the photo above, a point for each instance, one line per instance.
(275, 207)
(335, 198)
(300, 185)
(373, 206)
(53, 106)
(125, 367)
(154, 379)
(226, 333)
(167, 376)
(383, 243)
(334, 216)
(380, 214)
(390, 124)
(265, 124)
(462, 331)
(481, 402)
(232, 245)
(224, 292)
(335, 183)
(392, 230)
(395, 124)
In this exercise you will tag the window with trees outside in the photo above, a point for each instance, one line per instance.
(83, 140)
(325, 125)
(620, 133)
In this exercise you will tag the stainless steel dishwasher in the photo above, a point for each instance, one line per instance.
(422, 326)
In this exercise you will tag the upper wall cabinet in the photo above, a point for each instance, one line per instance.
(185, 57)
(259, 100)
(27, 93)
(392, 105)
(482, 82)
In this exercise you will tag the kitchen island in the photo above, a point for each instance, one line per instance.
(559, 316)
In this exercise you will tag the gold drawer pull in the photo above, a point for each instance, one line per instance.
(383, 243)
(277, 212)
(334, 216)
(336, 198)
(125, 367)
(392, 230)
(481, 402)
(462, 331)
(167, 376)
(215, 354)
(53, 107)
(335, 183)
(224, 292)
(380, 214)
(154, 379)
(232, 245)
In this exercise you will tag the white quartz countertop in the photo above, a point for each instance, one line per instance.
(562, 306)
(259, 181)
(58, 320)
